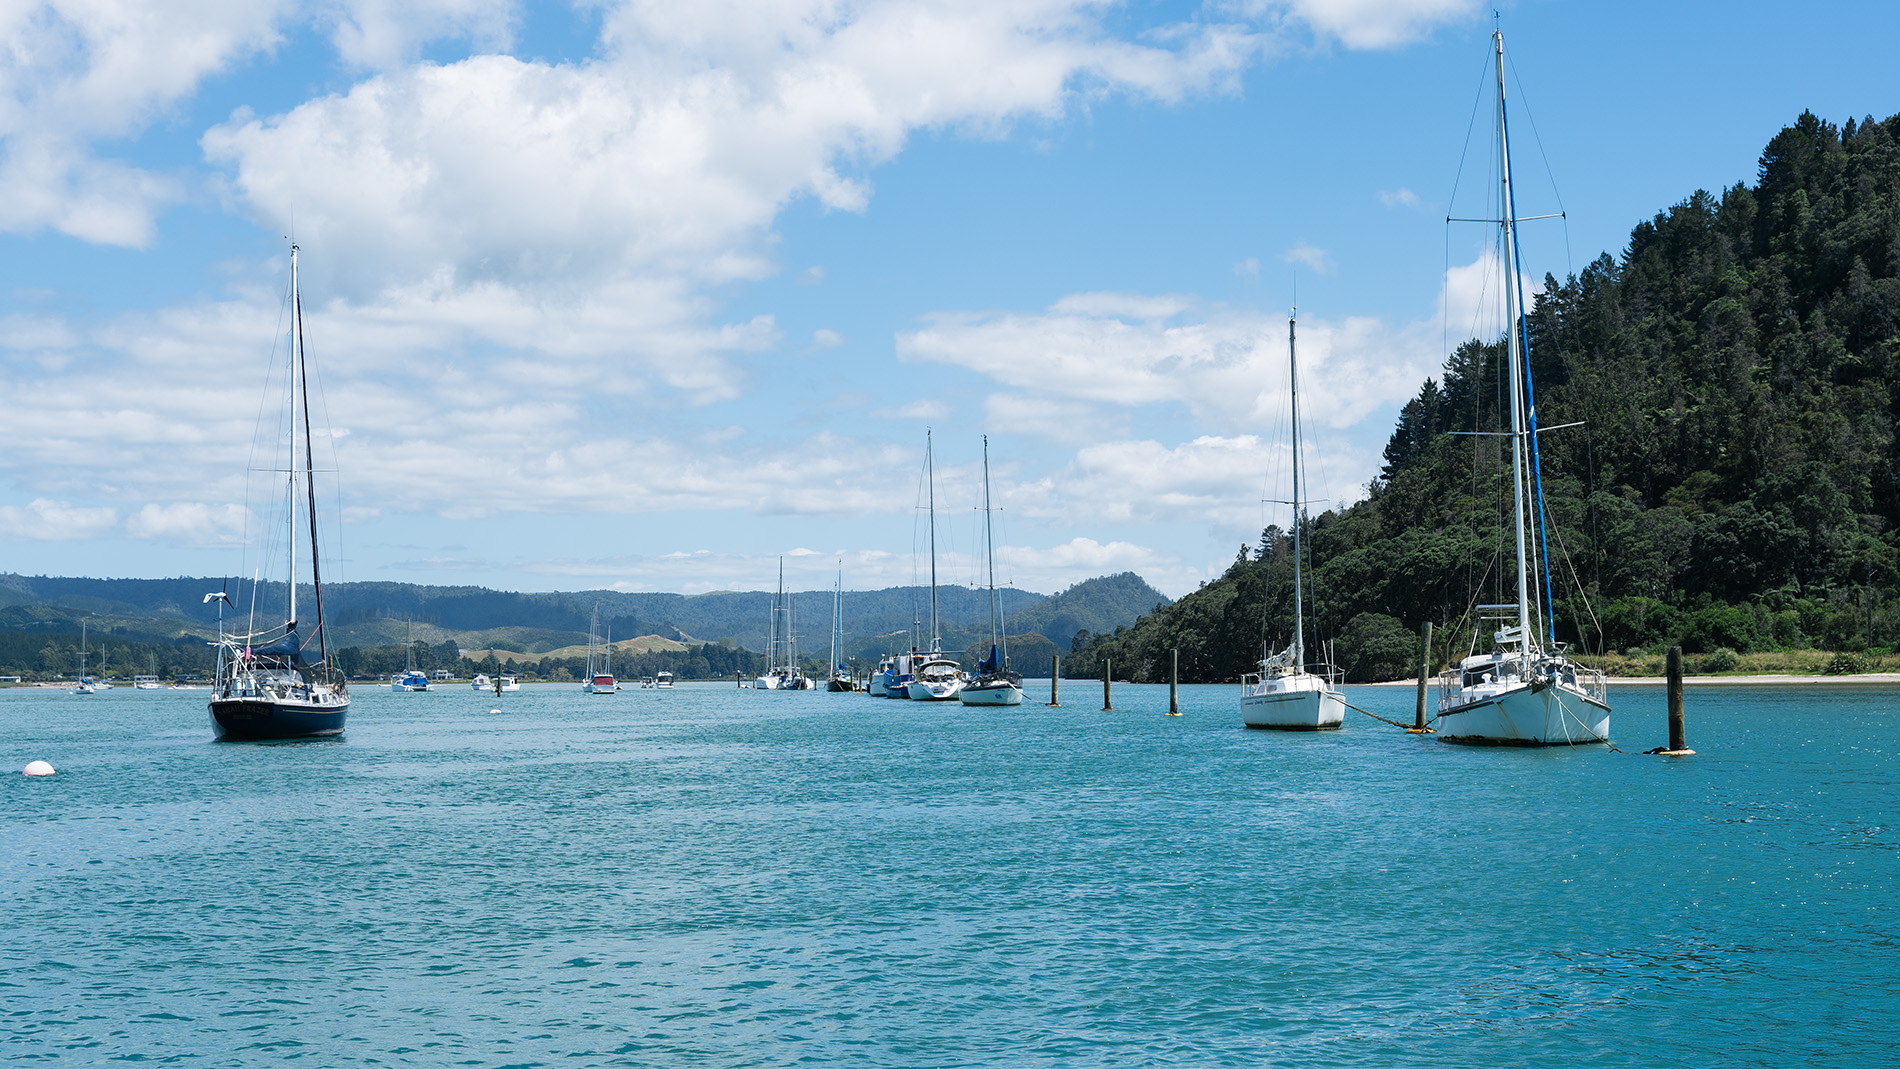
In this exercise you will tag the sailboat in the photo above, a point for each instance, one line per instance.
(411, 680)
(781, 671)
(938, 678)
(1284, 695)
(277, 689)
(600, 666)
(994, 683)
(840, 675)
(85, 685)
(1522, 691)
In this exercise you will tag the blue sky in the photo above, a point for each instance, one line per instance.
(648, 295)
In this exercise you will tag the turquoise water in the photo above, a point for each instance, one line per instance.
(719, 877)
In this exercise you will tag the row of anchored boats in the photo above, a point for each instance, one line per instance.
(1515, 686)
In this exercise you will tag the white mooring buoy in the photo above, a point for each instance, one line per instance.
(38, 768)
(494, 712)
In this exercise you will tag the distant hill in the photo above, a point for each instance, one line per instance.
(384, 614)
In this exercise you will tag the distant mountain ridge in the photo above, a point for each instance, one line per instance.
(385, 613)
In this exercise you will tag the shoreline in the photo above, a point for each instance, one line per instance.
(1863, 679)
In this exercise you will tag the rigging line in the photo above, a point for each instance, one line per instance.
(1570, 265)
(1483, 69)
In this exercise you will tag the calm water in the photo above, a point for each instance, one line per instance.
(718, 877)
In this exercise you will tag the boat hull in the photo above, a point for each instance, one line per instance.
(840, 686)
(918, 690)
(1525, 716)
(253, 719)
(1303, 709)
(991, 694)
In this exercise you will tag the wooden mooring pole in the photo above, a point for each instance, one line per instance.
(1108, 667)
(1055, 676)
(1174, 683)
(1424, 673)
(1678, 736)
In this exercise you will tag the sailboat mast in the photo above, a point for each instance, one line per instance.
(1514, 357)
(309, 464)
(837, 625)
(1299, 613)
(290, 487)
(989, 542)
(930, 473)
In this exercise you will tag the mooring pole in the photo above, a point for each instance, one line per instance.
(1055, 676)
(1108, 667)
(1424, 673)
(1174, 683)
(735, 678)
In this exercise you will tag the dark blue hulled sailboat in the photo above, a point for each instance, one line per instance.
(285, 687)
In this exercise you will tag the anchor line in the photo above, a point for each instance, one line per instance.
(1593, 736)
(1376, 716)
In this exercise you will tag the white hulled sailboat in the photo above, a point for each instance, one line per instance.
(1523, 691)
(1283, 695)
(936, 678)
(994, 683)
(600, 659)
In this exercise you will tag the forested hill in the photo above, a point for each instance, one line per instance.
(1735, 483)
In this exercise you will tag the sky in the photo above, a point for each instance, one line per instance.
(650, 296)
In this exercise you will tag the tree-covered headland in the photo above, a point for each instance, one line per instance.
(1734, 486)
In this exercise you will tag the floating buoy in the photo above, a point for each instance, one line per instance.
(38, 768)
(494, 712)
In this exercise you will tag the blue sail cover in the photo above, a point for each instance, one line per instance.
(989, 663)
(289, 649)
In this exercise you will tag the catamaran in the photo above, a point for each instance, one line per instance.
(1285, 695)
(994, 683)
(936, 678)
(1523, 690)
(284, 687)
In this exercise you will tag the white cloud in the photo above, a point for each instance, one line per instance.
(1312, 256)
(55, 521)
(826, 338)
(81, 72)
(1378, 23)
(384, 33)
(1399, 198)
(190, 523)
(1248, 268)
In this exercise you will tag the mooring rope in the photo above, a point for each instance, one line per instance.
(1375, 716)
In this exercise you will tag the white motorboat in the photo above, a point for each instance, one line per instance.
(1523, 690)
(994, 682)
(507, 684)
(892, 677)
(663, 680)
(1284, 695)
(146, 683)
(481, 682)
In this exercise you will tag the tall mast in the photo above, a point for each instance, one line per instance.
(930, 471)
(837, 624)
(778, 601)
(296, 336)
(1514, 357)
(309, 465)
(1299, 615)
(989, 541)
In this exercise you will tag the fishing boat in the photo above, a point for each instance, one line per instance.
(841, 679)
(481, 682)
(994, 682)
(507, 684)
(279, 682)
(1285, 694)
(663, 680)
(1516, 686)
(147, 682)
(600, 659)
(936, 678)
